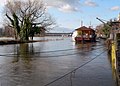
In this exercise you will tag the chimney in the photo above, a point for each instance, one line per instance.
(81, 23)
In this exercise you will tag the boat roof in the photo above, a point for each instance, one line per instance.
(84, 28)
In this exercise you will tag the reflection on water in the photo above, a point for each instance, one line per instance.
(24, 52)
(36, 64)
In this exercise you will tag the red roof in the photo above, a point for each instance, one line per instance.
(84, 28)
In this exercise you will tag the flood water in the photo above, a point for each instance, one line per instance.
(56, 62)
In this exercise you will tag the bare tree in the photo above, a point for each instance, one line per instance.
(27, 16)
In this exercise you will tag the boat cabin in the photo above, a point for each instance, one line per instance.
(84, 34)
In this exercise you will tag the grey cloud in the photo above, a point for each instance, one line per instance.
(115, 8)
(68, 8)
(90, 3)
(2, 2)
(64, 5)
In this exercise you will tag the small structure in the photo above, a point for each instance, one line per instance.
(84, 34)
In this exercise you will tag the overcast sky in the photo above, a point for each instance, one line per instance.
(70, 13)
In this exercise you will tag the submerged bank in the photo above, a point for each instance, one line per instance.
(4, 42)
(12, 41)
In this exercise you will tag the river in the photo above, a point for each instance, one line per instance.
(56, 62)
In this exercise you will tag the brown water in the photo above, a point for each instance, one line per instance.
(51, 63)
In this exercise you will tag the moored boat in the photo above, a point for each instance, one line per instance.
(84, 34)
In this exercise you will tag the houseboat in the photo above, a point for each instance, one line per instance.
(84, 34)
